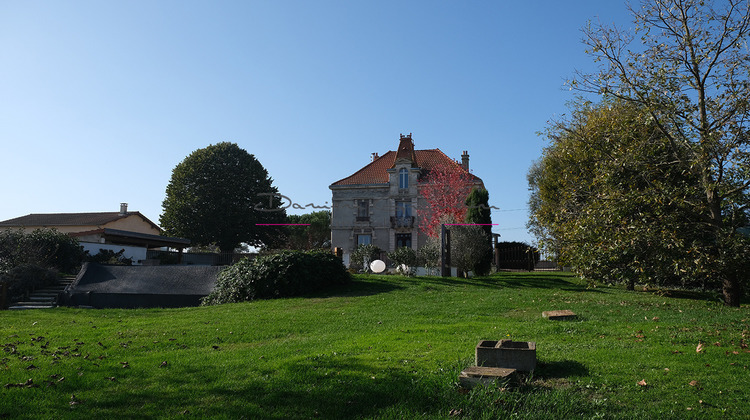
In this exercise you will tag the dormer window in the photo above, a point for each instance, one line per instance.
(403, 179)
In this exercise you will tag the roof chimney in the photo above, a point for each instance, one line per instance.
(123, 209)
(465, 160)
(374, 156)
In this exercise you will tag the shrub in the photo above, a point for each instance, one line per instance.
(363, 255)
(469, 246)
(403, 256)
(43, 247)
(25, 278)
(288, 273)
(429, 254)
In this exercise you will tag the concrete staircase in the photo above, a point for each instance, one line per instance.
(44, 298)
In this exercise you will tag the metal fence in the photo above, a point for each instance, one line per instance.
(523, 258)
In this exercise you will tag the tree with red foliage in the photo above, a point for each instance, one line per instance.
(444, 189)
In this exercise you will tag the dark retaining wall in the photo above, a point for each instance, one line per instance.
(110, 286)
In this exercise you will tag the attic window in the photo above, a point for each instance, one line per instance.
(403, 179)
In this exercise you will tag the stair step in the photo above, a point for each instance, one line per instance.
(21, 306)
(31, 303)
(34, 298)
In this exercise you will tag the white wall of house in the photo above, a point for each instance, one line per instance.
(137, 253)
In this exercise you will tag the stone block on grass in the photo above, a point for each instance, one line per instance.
(509, 354)
(482, 375)
(562, 315)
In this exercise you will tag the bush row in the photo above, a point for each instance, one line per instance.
(26, 278)
(46, 248)
(288, 273)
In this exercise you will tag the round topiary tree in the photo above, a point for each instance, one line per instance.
(219, 195)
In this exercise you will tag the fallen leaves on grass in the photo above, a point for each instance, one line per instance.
(642, 382)
(700, 348)
(28, 384)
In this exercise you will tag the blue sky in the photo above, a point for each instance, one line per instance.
(100, 100)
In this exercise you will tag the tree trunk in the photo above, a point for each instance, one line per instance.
(630, 285)
(732, 290)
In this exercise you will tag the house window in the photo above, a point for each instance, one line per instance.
(403, 239)
(403, 209)
(363, 210)
(364, 240)
(403, 178)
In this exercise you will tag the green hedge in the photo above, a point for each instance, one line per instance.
(288, 273)
(43, 247)
(26, 278)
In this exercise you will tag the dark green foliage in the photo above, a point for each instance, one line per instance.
(612, 197)
(468, 248)
(516, 256)
(478, 204)
(284, 274)
(46, 248)
(315, 236)
(107, 256)
(688, 78)
(25, 278)
(218, 195)
(403, 256)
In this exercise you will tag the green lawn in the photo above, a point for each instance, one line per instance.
(383, 347)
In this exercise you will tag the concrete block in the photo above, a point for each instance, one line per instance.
(481, 375)
(559, 315)
(509, 354)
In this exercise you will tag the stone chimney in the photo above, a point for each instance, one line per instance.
(123, 209)
(465, 160)
(374, 157)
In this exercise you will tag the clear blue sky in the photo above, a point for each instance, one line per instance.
(99, 100)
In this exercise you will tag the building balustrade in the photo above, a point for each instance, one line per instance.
(402, 222)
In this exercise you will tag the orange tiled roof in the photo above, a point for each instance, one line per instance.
(376, 172)
(71, 219)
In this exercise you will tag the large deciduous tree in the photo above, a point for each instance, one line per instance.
(608, 196)
(219, 195)
(690, 74)
(314, 236)
(444, 189)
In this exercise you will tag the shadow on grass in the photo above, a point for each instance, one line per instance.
(324, 387)
(560, 369)
(705, 295)
(367, 287)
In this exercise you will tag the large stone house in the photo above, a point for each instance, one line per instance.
(380, 203)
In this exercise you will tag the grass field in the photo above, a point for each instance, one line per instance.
(384, 347)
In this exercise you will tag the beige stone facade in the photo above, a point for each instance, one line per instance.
(380, 203)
